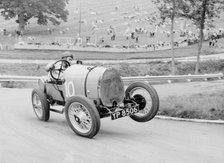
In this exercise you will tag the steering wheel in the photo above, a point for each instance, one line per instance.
(58, 68)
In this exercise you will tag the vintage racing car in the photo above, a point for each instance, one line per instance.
(88, 93)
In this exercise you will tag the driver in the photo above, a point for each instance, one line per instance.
(53, 66)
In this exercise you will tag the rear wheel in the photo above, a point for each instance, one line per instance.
(82, 116)
(41, 106)
(147, 98)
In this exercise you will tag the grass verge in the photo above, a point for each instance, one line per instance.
(197, 106)
(125, 69)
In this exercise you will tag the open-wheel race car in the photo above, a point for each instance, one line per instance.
(88, 93)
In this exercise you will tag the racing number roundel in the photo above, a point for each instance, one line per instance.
(69, 89)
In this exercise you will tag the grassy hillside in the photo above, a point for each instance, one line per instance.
(103, 14)
(91, 11)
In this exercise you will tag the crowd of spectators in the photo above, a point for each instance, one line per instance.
(158, 34)
(185, 38)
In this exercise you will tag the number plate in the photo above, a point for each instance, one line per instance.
(124, 112)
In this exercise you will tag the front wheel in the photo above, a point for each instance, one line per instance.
(82, 116)
(147, 99)
(41, 106)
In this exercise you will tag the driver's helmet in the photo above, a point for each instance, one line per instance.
(68, 58)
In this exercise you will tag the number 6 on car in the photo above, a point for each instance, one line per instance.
(89, 93)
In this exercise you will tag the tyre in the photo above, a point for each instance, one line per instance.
(147, 98)
(82, 116)
(41, 106)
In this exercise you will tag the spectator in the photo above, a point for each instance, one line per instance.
(4, 32)
(79, 41)
(136, 39)
(210, 42)
(18, 33)
(49, 30)
(87, 39)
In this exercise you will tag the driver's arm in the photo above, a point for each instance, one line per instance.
(49, 66)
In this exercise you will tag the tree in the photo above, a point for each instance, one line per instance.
(169, 9)
(172, 35)
(199, 11)
(196, 10)
(201, 35)
(43, 10)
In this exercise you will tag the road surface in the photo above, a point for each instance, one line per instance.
(111, 61)
(25, 139)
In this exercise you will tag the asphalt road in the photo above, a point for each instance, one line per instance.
(25, 139)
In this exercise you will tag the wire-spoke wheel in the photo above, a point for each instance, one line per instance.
(40, 105)
(82, 116)
(147, 99)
